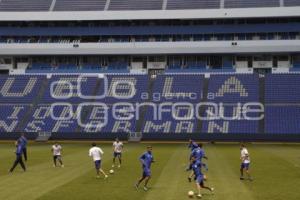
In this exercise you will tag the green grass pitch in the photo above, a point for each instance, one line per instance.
(275, 168)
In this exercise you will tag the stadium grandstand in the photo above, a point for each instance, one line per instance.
(150, 69)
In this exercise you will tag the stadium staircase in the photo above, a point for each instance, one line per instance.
(202, 109)
(135, 137)
(34, 104)
(261, 125)
(43, 137)
(143, 111)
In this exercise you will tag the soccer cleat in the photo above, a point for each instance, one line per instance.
(119, 166)
(199, 196)
(212, 189)
(105, 177)
(145, 188)
(189, 179)
(241, 178)
(113, 166)
(62, 166)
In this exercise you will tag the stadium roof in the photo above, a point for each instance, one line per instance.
(101, 5)
(21, 10)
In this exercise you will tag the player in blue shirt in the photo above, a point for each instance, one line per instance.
(199, 176)
(146, 160)
(199, 154)
(19, 152)
(192, 145)
(23, 142)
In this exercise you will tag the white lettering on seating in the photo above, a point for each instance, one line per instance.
(232, 85)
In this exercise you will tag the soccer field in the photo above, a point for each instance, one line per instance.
(275, 168)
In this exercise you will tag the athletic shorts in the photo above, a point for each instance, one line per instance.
(245, 166)
(98, 164)
(57, 157)
(146, 172)
(199, 179)
(116, 154)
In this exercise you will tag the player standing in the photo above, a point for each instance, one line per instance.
(199, 176)
(146, 160)
(23, 142)
(57, 151)
(245, 162)
(117, 148)
(96, 153)
(19, 160)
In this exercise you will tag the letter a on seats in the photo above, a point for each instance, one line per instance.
(232, 85)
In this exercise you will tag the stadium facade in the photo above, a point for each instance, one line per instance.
(160, 69)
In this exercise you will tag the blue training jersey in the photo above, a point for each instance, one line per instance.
(19, 149)
(196, 166)
(198, 153)
(22, 141)
(147, 159)
(193, 145)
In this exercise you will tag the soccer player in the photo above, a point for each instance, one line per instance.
(23, 142)
(19, 160)
(192, 145)
(245, 157)
(199, 176)
(198, 153)
(57, 151)
(96, 153)
(117, 148)
(146, 160)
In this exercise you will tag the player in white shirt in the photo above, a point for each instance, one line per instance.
(57, 153)
(96, 153)
(245, 157)
(117, 148)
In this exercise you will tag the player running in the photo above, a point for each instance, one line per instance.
(19, 160)
(57, 151)
(117, 148)
(199, 176)
(245, 162)
(198, 153)
(96, 153)
(192, 145)
(146, 160)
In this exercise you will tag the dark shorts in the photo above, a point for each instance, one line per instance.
(116, 154)
(245, 166)
(57, 157)
(98, 164)
(146, 172)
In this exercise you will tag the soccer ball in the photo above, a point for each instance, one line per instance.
(111, 171)
(191, 194)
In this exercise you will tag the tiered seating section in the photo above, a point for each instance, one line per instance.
(139, 103)
(250, 4)
(79, 5)
(193, 4)
(25, 5)
(135, 5)
(282, 99)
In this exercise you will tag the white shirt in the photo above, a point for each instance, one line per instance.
(56, 150)
(245, 155)
(96, 153)
(118, 146)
